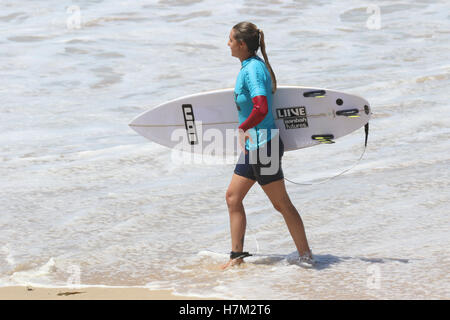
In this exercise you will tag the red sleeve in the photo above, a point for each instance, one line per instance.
(260, 109)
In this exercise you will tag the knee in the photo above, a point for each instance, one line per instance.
(233, 200)
(284, 207)
(279, 207)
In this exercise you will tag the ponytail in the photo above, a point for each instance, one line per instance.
(266, 60)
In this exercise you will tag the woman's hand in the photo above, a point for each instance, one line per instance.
(243, 137)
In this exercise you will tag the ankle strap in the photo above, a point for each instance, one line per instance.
(239, 255)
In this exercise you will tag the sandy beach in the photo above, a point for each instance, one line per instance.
(88, 293)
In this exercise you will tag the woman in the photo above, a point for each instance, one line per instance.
(253, 96)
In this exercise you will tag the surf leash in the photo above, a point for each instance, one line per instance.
(328, 139)
(239, 255)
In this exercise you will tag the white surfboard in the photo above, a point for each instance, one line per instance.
(207, 122)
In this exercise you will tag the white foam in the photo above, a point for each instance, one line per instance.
(38, 276)
(9, 258)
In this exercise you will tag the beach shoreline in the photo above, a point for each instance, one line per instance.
(89, 293)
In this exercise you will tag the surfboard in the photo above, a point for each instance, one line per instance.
(207, 122)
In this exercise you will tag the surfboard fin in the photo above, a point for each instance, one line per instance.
(324, 138)
(366, 130)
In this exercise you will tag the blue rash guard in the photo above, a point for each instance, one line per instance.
(254, 80)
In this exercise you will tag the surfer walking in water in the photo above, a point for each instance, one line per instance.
(259, 141)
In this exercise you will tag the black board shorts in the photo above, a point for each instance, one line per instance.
(262, 165)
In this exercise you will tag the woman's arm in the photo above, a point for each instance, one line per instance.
(260, 109)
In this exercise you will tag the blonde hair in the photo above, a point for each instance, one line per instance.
(254, 38)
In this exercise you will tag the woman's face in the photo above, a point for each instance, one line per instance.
(238, 48)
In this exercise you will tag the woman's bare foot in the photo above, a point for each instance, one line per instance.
(232, 263)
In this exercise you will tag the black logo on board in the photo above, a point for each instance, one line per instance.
(293, 117)
(189, 122)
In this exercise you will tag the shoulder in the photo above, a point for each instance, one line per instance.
(256, 64)
(256, 78)
(255, 68)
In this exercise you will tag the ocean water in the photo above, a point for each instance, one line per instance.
(85, 201)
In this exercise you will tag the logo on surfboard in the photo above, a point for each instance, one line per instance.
(189, 122)
(293, 117)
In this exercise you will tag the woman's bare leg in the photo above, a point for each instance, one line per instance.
(276, 191)
(237, 190)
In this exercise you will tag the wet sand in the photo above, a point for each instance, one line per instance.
(89, 293)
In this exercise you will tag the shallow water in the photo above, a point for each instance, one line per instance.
(87, 201)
